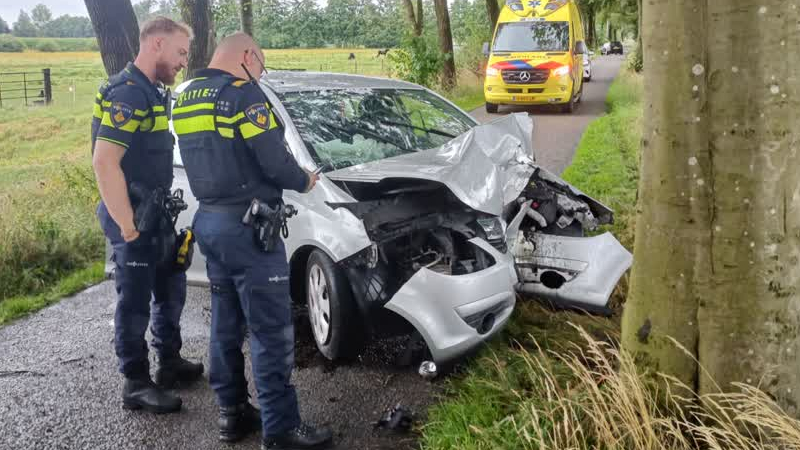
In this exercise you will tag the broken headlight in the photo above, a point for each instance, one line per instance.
(494, 231)
(493, 228)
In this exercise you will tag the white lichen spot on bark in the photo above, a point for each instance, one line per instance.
(775, 89)
(692, 161)
(698, 69)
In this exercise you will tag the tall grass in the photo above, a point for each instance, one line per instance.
(591, 396)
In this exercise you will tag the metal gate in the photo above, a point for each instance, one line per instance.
(35, 88)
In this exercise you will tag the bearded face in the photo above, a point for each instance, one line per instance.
(173, 57)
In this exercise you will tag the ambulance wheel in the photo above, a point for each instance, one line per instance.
(491, 108)
(569, 107)
(331, 308)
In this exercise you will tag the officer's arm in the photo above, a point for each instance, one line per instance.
(264, 136)
(122, 113)
(112, 185)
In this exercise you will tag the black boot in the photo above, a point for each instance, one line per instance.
(301, 438)
(177, 372)
(238, 421)
(142, 393)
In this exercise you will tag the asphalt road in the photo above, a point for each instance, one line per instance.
(59, 388)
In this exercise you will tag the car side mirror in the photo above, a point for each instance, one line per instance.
(580, 48)
(486, 49)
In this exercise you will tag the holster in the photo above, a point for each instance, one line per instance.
(268, 223)
(184, 250)
(155, 213)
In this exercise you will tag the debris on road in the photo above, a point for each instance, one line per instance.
(397, 419)
(428, 370)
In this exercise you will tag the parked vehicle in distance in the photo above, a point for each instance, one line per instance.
(587, 67)
(612, 48)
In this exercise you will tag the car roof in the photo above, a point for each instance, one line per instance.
(294, 81)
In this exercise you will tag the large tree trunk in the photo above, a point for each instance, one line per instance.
(493, 12)
(117, 32)
(718, 227)
(639, 55)
(591, 30)
(246, 11)
(197, 13)
(415, 18)
(446, 45)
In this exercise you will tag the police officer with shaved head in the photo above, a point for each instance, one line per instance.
(234, 154)
(132, 159)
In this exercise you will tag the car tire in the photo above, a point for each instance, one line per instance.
(332, 313)
(491, 108)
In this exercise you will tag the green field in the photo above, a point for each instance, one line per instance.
(47, 194)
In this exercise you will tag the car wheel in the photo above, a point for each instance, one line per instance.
(491, 108)
(331, 308)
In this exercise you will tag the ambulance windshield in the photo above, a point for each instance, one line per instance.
(532, 37)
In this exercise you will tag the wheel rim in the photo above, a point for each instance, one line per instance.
(319, 305)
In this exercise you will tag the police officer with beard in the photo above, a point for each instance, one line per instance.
(132, 155)
(233, 152)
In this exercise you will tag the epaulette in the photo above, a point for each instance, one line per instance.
(239, 83)
(130, 83)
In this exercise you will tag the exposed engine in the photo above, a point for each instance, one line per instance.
(415, 224)
(557, 208)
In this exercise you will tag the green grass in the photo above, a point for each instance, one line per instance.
(62, 44)
(16, 307)
(606, 162)
(467, 96)
(499, 389)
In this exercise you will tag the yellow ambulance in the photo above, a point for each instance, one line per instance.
(536, 56)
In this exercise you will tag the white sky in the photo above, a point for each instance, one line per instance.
(9, 9)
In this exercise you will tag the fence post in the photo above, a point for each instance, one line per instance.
(48, 88)
(25, 87)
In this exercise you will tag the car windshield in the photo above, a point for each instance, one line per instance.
(532, 37)
(343, 128)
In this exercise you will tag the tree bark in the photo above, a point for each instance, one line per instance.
(718, 229)
(493, 12)
(197, 14)
(639, 47)
(117, 32)
(416, 18)
(446, 45)
(246, 11)
(591, 29)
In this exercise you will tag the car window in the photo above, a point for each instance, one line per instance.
(342, 128)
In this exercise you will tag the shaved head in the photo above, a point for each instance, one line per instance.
(236, 52)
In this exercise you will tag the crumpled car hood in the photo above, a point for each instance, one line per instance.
(486, 168)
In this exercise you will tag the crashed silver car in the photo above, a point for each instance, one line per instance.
(424, 219)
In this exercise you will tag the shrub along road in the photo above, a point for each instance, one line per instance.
(59, 387)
